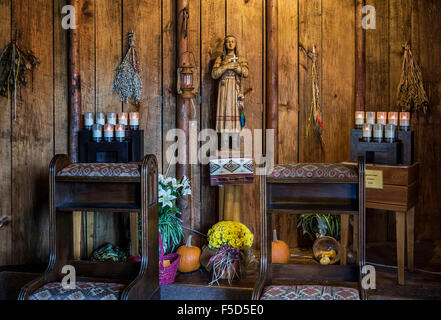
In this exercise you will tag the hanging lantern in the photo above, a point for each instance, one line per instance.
(186, 81)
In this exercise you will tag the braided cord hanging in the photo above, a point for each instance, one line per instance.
(315, 117)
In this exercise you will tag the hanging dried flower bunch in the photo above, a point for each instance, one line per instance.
(15, 64)
(411, 93)
(128, 82)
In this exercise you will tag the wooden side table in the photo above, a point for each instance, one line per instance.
(399, 195)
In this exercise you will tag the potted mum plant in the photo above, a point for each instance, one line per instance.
(170, 190)
(229, 246)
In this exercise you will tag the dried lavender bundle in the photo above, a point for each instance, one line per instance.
(128, 82)
(15, 64)
(411, 93)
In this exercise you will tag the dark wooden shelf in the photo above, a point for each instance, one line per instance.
(101, 207)
(292, 208)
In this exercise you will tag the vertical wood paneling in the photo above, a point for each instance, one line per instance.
(338, 81)
(60, 81)
(426, 45)
(32, 135)
(212, 39)
(27, 145)
(310, 34)
(148, 41)
(86, 18)
(194, 46)
(108, 40)
(288, 101)
(168, 79)
(5, 145)
(377, 60)
(245, 20)
(400, 30)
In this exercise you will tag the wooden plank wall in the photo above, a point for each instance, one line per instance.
(27, 145)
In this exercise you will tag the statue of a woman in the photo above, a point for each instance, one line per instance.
(230, 68)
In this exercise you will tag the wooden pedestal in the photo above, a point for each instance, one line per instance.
(399, 196)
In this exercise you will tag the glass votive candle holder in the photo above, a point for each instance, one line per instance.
(392, 118)
(97, 132)
(404, 121)
(111, 118)
(120, 132)
(370, 118)
(109, 132)
(88, 120)
(381, 118)
(359, 119)
(367, 132)
(134, 120)
(123, 118)
(390, 133)
(100, 118)
(378, 132)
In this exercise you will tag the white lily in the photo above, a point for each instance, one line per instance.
(166, 198)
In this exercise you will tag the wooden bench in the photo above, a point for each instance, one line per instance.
(120, 188)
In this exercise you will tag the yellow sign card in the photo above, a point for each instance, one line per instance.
(374, 179)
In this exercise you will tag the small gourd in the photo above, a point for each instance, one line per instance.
(280, 250)
(189, 257)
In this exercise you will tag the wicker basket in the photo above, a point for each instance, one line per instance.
(167, 275)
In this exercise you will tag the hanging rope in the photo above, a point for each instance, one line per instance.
(411, 93)
(315, 117)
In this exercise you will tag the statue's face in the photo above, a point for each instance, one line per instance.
(230, 43)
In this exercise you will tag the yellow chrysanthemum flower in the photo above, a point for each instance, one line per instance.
(230, 233)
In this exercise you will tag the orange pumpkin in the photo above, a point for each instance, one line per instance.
(280, 250)
(189, 257)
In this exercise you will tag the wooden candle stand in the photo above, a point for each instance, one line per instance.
(395, 153)
(130, 150)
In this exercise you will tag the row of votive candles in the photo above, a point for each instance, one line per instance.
(379, 132)
(124, 119)
(383, 118)
(111, 132)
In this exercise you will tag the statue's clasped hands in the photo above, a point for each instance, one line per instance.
(234, 66)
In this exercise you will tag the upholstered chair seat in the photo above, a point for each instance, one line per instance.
(128, 170)
(313, 171)
(83, 291)
(309, 292)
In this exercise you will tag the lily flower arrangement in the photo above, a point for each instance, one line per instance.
(170, 190)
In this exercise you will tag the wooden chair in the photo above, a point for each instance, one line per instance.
(121, 188)
(311, 188)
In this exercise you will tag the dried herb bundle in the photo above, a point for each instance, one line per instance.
(128, 82)
(15, 64)
(411, 93)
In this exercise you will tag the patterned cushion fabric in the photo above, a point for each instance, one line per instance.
(314, 171)
(101, 170)
(83, 291)
(234, 171)
(309, 293)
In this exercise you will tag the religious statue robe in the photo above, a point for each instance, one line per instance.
(228, 116)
